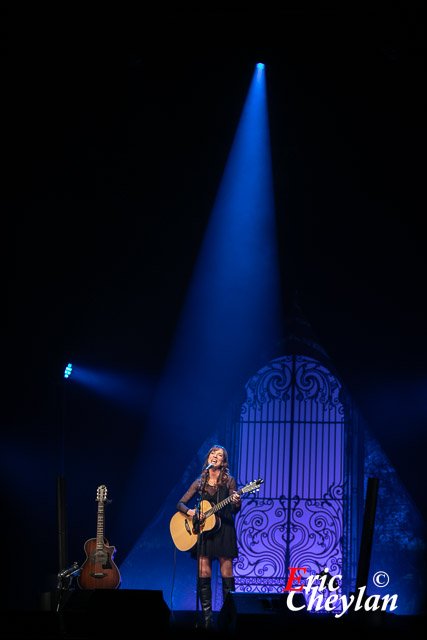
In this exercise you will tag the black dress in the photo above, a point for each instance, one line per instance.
(221, 542)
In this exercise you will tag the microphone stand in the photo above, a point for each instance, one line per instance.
(65, 578)
(198, 514)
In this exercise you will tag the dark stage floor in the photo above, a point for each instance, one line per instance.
(135, 614)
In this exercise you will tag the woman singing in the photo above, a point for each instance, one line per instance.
(215, 484)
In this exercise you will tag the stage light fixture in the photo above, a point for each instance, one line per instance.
(260, 65)
(68, 370)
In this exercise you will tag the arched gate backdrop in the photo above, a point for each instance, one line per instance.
(293, 433)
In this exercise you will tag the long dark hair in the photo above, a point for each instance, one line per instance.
(225, 470)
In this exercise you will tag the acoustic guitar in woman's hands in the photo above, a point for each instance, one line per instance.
(185, 530)
(99, 570)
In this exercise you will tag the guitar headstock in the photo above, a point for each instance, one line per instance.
(101, 493)
(252, 486)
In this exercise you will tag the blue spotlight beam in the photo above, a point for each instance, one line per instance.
(233, 306)
(232, 313)
(131, 393)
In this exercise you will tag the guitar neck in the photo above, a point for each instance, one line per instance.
(221, 504)
(100, 526)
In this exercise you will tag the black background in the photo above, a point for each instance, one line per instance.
(116, 130)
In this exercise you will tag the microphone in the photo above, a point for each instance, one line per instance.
(209, 466)
(70, 572)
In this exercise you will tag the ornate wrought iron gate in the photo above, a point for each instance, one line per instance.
(293, 433)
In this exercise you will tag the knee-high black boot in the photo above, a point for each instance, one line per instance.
(205, 593)
(228, 584)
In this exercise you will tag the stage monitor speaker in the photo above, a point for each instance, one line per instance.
(253, 612)
(114, 612)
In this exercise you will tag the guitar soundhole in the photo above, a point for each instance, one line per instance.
(197, 526)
